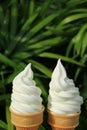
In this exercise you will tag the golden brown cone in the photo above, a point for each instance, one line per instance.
(25, 128)
(56, 128)
(27, 121)
(63, 122)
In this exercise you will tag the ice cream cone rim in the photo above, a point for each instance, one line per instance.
(63, 126)
(17, 125)
(29, 114)
(27, 120)
(64, 115)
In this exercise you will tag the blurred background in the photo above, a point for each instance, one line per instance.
(40, 32)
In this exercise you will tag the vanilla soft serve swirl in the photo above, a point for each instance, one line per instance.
(25, 96)
(63, 96)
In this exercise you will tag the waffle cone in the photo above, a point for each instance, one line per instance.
(27, 121)
(63, 122)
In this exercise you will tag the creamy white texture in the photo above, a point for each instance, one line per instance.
(64, 97)
(25, 96)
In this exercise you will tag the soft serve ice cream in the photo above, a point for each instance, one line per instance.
(25, 96)
(64, 97)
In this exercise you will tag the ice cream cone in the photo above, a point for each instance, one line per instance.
(63, 122)
(27, 121)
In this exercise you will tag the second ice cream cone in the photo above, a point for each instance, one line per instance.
(63, 122)
(27, 121)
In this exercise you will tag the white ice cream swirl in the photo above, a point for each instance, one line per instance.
(63, 96)
(25, 96)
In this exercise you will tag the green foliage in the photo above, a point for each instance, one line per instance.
(41, 32)
(3, 125)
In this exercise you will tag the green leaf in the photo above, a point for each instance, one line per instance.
(71, 18)
(84, 45)
(22, 2)
(8, 117)
(3, 125)
(79, 39)
(4, 21)
(70, 46)
(48, 42)
(1, 15)
(73, 3)
(41, 68)
(39, 37)
(79, 10)
(29, 21)
(82, 61)
(14, 17)
(22, 31)
(41, 24)
(45, 7)
(6, 60)
(57, 56)
(41, 127)
(31, 7)
(22, 55)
